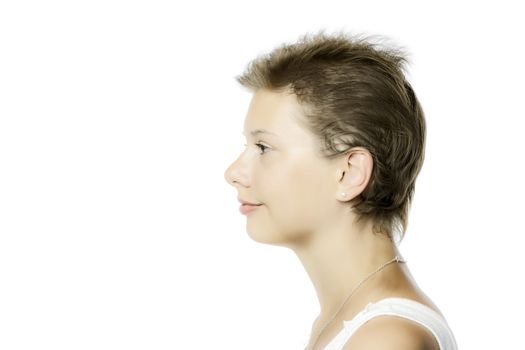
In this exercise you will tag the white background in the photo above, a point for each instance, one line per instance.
(119, 118)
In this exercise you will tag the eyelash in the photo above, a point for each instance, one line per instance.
(261, 146)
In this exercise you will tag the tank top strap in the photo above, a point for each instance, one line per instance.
(401, 307)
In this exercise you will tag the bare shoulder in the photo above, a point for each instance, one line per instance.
(392, 333)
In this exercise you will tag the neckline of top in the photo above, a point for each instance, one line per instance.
(401, 300)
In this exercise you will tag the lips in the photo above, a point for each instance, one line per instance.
(248, 208)
(243, 202)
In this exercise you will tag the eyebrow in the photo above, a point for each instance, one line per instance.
(260, 131)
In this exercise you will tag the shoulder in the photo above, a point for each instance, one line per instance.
(392, 333)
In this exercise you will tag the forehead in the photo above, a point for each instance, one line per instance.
(275, 112)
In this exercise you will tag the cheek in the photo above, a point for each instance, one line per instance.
(302, 194)
(293, 198)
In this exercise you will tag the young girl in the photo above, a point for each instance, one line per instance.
(335, 141)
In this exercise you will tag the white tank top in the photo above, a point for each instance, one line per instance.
(406, 308)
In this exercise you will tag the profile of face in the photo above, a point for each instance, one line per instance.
(281, 169)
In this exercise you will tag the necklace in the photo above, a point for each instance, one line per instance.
(397, 259)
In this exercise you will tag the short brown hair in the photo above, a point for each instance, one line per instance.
(354, 93)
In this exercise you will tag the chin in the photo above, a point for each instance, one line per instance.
(270, 237)
(263, 237)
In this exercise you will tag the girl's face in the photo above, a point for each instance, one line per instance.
(280, 168)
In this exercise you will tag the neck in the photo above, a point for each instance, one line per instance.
(339, 260)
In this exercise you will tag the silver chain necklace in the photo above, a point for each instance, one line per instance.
(397, 259)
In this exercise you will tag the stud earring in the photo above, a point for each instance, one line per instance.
(343, 194)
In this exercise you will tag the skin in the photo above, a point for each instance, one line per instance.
(302, 209)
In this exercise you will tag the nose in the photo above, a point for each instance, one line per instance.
(232, 175)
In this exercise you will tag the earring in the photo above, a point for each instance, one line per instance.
(343, 194)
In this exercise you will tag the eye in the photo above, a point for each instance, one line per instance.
(261, 146)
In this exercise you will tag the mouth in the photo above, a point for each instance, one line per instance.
(243, 202)
(247, 208)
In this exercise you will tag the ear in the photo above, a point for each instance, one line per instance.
(354, 173)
